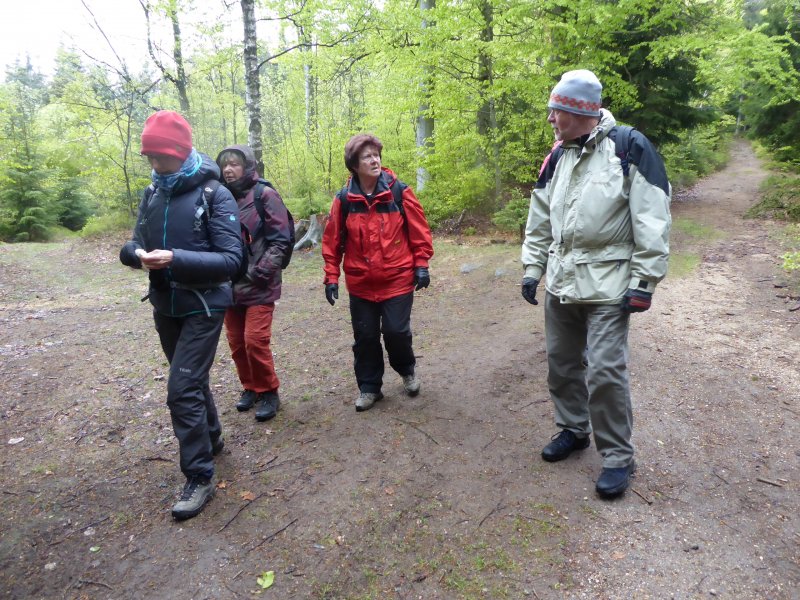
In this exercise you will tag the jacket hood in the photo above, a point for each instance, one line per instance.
(240, 187)
(606, 124)
(208, 170)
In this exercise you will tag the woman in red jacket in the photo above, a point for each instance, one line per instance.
(377, 224)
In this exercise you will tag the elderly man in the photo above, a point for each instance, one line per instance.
(598, 225)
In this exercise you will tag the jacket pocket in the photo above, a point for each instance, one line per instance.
(394, 243)
(602, 274)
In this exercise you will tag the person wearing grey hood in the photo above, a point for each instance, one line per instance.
(248, 323)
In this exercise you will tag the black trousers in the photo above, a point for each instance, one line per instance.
(190, 344)
(392, 318)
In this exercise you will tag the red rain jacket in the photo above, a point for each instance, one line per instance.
(382, 247)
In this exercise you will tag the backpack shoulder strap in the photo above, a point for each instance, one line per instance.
(555, 155)
(622, 146)
(210, 188)
(397, 188)
(258, 199)
(344, 210)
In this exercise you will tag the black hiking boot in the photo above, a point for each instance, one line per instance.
(563, 444)
(614, 482)
(267, 406)
(246, 401)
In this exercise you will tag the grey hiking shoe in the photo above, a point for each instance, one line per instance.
(196, 494)
(365, 400)
(411, 384)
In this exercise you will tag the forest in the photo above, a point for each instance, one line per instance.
(457, 91)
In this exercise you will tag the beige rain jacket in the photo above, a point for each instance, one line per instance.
(595, 231)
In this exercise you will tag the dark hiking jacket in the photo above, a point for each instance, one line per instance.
(206, 245)
(270, 239)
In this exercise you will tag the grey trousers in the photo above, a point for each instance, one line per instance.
(594, 397)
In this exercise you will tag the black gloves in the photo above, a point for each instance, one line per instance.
(529, 285)
(636, 301)
(332, 292)
(422, 278)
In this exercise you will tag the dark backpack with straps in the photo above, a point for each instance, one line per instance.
(205, 201)
(621, 134)
(396, 188)
(258, 192)
(205, 207)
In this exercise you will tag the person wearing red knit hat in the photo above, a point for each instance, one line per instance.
(188, 239)
(168, 133)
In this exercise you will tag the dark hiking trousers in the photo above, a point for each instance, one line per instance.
(190, 344)
(391, 317)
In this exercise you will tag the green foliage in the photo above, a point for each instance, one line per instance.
(791, 259)
(698, 152)
(479, 70)
(769, 61)
(111, 222)
(780, 198)
(514, 214)
(73, 204)
(24, 217)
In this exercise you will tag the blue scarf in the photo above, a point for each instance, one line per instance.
(169, 182)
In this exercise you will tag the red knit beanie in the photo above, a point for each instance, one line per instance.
(167, 132)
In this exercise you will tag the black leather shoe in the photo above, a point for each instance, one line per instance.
(246, 401)
(267, 406)
(613, 482)
(562, 445)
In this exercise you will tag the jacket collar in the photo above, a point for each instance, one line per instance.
(598, 134)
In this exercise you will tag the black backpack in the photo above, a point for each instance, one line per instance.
(209, 189)
(258, 192)
(247, 238)
(396, 188)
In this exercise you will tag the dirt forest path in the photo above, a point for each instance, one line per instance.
(436, 497)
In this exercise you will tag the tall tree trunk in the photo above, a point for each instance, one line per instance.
(487, 115)
(425, 122)
(253, 83)
(310, 87)
(177, 54)
(178, 79)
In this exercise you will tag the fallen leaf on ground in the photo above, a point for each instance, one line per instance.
(266, 580)
(249, 496)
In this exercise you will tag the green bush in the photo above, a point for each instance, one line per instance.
(780, 198)
(514, 214)
(700, 151)
(99, 225)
